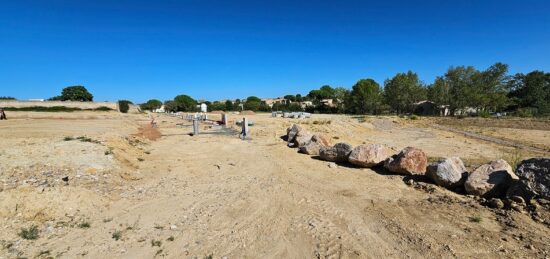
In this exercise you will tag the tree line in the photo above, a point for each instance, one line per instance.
(461, 89)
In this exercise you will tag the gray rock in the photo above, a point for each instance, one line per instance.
(534, 179)
(292, 132)
(314, 145)
(312, 148)
(368, 155)
(332, 165)
(496, 203)
(490, 180)
(336, 153)
(303, 137)
(448, 173)
(410, 161)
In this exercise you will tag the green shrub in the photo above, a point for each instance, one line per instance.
(156, 243)
(484, 114)
(413, 117)
(43, 109)
(103, 108)
(84, 224)
(525, 113)
(476, 219)
(117, 235)
(124, 106)
(30, 233)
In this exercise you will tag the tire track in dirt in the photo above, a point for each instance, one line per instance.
(490, 139)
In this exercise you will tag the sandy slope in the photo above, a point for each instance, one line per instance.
(215, 194)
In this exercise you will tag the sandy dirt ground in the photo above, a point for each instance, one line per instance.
(106, 185)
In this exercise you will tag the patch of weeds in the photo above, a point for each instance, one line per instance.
(158, 252)
(108, 152)
(513, 158)
(68, 138)
(171, 238)
(84, 224)
(117, 235)
(29, 233)
(476, 219)
(413, 117)
(140, 159)
(433, 159)
(156, 243)
(336, 137)
(87, 139)
(159, 227)
(107, 220)
(46, 252)
(210, 256)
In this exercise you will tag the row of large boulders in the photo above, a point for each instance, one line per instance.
(494, 179)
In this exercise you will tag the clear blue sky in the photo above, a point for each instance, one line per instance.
(232, 49)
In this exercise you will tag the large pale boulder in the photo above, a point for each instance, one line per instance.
(336, 153)
(534, 179)
(448, 173)
(368, 155)
(324, 140)
(314, 145)
(410, 161)
(490, 180)
(312, 148)
(292, 132)
(303, 137)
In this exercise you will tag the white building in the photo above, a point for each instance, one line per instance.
(160, 110)
(203, 107)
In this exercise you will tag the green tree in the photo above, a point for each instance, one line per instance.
(185, 103)
(170, 106)
(532, 91)
(402, 91)
(74, 93)
(325, 92)
(366, 97)
(341, 96)
(290, 97)
(252, 103)
(466, 87)
(229, 106)
(216, 106)
(151, 105)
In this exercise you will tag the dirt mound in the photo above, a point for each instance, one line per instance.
(148, 132)
(247, 113)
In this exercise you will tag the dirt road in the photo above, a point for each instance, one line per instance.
(213, 194)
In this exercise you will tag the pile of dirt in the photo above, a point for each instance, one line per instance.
(148, 132)
(247, 112)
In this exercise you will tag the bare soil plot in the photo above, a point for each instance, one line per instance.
(179, 196)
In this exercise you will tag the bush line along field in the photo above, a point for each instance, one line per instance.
(56, 109)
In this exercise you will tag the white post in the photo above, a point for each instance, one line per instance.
(195, 127)
(224, 119)
(244, 131)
